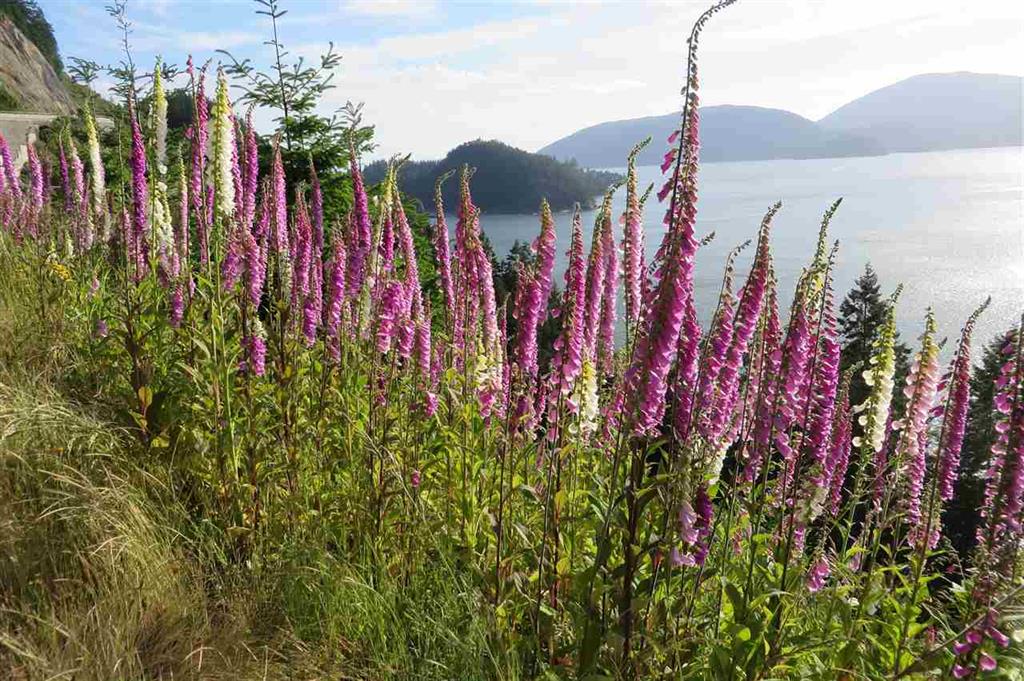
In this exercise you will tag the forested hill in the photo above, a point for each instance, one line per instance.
(507, 180)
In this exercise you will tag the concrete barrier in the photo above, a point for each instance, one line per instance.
(20, 128)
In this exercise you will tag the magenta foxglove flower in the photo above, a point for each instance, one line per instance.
(78, 189)
(79, 199)
(177, 305)
(532, 297)
(568, 359)
(606, 330)
(687, 523)
(466, 277)
(336, 292)
(740, 426)
(488, 305)
(140, 191)
(302, 253)
(411, 329)
(687, 370)
(200, 135)
(361, 232)
(998, 637)
(386, 250)
(405, 328)
(256, 356)
(769, 365)
(312, 309)
(422, 347)
(963, 648)
(233, 262)
(694, 529)
(715, 355)
(821, 406)
(960, 671)
(657, 342)
(408, 248)
(430, 403)
(279, 213)
(596, 263)
(388, 319)
(818, 575)
(1004, 490)
(181, 235)
(441, 250)
(838, 460)
(747, 315)
(35, 174)
(954, 419)
(65, 178)
(920, 391)
(250, 172)
(255, 254)
(795, 359)
(705, 516)
(35, 193)
(11, 183)
(633, 240)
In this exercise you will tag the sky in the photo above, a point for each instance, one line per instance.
(435, 73)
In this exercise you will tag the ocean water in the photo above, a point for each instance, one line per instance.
(947, 225)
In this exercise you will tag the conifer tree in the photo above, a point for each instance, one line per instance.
(860, 317)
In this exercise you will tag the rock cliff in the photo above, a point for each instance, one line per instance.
(26, 74)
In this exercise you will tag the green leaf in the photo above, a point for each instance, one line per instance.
(145, 397)
(736, 599)
(739, 632)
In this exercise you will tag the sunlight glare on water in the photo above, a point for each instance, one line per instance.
(949, 225)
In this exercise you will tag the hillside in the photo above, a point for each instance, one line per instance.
(927, 112)
(729, 133)
(28, 80)
(507, 180)
(937, 111)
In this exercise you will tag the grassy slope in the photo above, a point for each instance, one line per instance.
(103, 575)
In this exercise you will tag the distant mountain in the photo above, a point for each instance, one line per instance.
(934, 111)
(937, 111)
(728, 133)
(507, 180)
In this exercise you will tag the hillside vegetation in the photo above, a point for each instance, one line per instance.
(507, 180)
(251, 429)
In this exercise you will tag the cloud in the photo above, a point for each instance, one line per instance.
(444, 45)
(202, 41)
(533, 79)
(159, 8)
(531, 73)
(389, 8)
